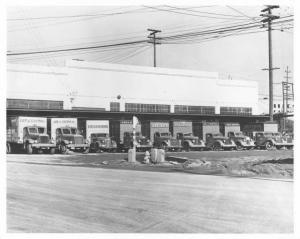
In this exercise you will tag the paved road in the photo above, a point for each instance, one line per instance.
(44, 198)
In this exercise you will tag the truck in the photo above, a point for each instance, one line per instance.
(122, 133)
(66, 135)
(97, 133)
(270, 140)
(29, 134)
(184, 132)
(241, 140)
(159, 133)
(216, 141)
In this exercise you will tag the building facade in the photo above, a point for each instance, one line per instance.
(123, 88)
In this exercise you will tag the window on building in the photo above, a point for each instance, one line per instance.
(114, 106)
(189, 109)
(147, 108)
(274, 105)
(278, 105)
(235, 111)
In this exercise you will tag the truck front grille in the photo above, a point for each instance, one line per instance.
(44, 139)
(78, 140)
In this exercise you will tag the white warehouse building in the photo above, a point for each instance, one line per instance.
(114, 87)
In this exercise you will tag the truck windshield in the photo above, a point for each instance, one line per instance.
(41, 130)
(66, 131)
(239, 134)
(217, 135)
(268, 134)
(164, 134)
(73, 131)
(32, 130)
(188, 134)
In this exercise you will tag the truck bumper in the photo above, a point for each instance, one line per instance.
(77, 146)
(197, 147)
(228, 146)
(172, 147)
(43, 146)
(250, 145)
(284, 144)
(107, 148)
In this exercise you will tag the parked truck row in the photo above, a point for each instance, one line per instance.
(42, 135)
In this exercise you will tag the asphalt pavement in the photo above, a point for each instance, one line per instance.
(61, 198)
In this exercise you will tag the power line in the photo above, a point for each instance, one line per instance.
(209, 13)
(76, 49)
(189, 14)
(234, 9)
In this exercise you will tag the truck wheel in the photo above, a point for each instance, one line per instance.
(164, 147)
(278, 147)
(96, 149)
(268, 145)
(63, 148)
(28, 148)
(239, 146)
(52, 151)
(40, 151)
(8, 148)
(186, 146)
(217, 147)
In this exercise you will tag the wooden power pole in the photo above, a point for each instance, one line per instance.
(269, 18)
(153, 40)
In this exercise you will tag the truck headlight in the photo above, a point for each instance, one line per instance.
(52, 141)
(67, 141)
(35, 141)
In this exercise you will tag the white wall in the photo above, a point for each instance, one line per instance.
(97, 84)
(159, 86)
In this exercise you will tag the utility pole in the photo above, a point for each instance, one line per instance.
(287, 94)
(269, 18)
(153, 40)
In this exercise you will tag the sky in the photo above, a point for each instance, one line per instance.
(234, 57)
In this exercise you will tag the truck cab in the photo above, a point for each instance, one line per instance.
(142, 142)
(69, 138)
(166, 141)
(35, 137)
(270, 140)
(241, 140)
(216, 141)
(190, 142)
(102, 141)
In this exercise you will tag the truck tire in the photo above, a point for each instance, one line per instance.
(29, 149)
(52, 151)
(40, 151)
(63, 148)
(186, 146)
(217, 147)
(8, 148)
(268, 145)
(164, 147)
(239, 146)
(96, 149)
